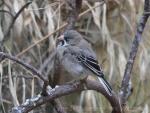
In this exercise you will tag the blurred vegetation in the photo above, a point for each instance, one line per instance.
(110, 29)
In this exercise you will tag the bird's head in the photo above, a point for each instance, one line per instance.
(70, 37)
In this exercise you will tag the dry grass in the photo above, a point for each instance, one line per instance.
(110, 28)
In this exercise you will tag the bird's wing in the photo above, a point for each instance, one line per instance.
(87, 58)
(91, 63)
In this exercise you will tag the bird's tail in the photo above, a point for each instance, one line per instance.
(105, 85)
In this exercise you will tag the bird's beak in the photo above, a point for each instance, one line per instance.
(61, 38)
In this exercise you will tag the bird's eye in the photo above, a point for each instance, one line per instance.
(61, 43)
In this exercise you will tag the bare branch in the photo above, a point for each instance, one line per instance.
(75, 86)
(27, 66)
(125, 87)
(56, 103)
(5, 11)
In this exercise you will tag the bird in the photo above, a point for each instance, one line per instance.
(78, 58)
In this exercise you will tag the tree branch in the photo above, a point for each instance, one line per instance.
(27, 66)
(73, 6)
(56, 103)
(125, 86)
(72, 87)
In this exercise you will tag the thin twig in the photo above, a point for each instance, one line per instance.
(124, 93)
(27, 66)
(5, 11)
(13, 21)
(50, 34)
(75, 86)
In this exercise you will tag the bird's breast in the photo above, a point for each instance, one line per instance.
(73, 66)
